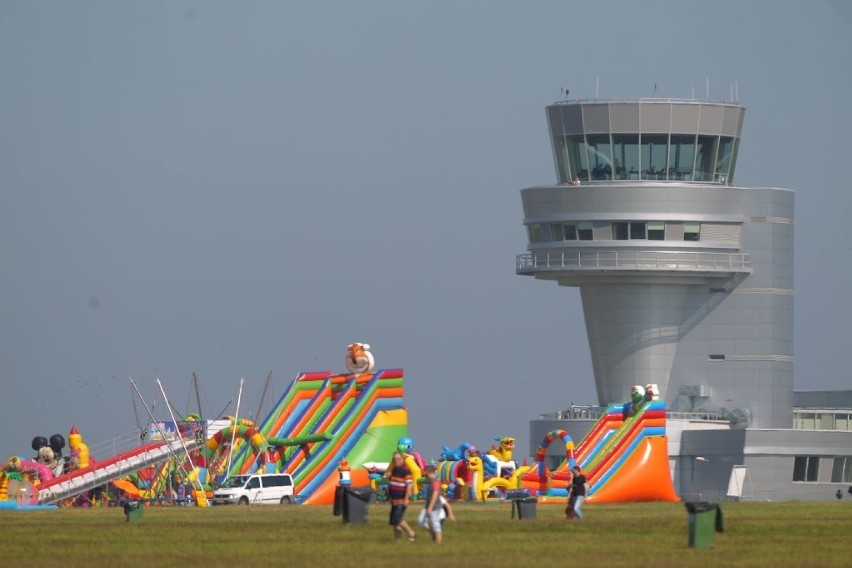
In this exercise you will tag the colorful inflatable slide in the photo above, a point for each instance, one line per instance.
(624, 456)
(322, 419)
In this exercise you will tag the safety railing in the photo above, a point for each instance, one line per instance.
(633, 260)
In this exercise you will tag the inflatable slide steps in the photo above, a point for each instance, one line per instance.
(383, 393)
(104, 471)
(333, 412)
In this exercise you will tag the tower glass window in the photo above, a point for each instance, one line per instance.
(705, 158)
(806, 468)
(625, 150)
(534, 230)
(600, 157)
(578, 157)
(655, 149)
(637, 231)
(682, 156)
(568, 232)
(584, 231)
(563, 164)
(656, 231)
(723, 162)
(691, 231)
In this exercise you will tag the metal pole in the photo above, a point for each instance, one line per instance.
(180, 436)
(234, 427)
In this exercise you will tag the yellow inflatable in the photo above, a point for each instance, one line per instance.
(78, 448)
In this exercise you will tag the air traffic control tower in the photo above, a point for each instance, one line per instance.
(686, 279)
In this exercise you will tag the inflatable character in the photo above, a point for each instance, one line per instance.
(344, 472)
(477, 474)
(48, 452)
(652, 392)
(413, 461)
(504, 451)
(38, 443)
(57, 444)
(637, 399)
(456, 454)
(79, 450)
(359, 360)
(501, 457)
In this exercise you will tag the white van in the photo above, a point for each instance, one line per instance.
(266, 488)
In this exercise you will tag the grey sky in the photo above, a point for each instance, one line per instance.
(230, 188)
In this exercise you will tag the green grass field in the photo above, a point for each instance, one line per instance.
(635, 534)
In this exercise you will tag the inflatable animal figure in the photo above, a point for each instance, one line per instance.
(477, 474)
(504, 451)
(456, 454)
(359, 360)
(500, 457)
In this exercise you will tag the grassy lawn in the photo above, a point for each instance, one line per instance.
(636, 534)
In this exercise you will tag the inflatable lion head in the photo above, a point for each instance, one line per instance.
(358, 358)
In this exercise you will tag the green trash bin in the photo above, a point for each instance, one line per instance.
(133, 511)
(704, 519)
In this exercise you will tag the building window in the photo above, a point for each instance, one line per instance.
(717, 357)
(620, 231)
(842, 470)
(806, 468)
(806, 421)
(691, 231)
(637, 231)
(534, 230)
(584, 230)
(656, 231)
(563, 231)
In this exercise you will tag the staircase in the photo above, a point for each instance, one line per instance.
(104, 471)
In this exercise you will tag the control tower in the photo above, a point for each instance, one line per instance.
(686, 279)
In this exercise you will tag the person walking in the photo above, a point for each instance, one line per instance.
(435, 508)
(400, 482)
(579, 490)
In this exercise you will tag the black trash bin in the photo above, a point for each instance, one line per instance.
(704, 519)
(355, 501)
(338, 501)
(526, 507)
(133, 511)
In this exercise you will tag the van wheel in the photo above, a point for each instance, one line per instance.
(243, 501)
(286, 500)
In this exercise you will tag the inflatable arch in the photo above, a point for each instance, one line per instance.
(548, 439)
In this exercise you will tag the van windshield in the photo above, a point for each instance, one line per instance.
(237, 481)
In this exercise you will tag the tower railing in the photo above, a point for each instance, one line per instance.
(633, 260)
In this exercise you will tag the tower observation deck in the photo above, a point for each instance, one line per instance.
(686, 280)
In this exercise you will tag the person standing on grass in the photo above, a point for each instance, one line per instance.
(579, 490)
(569, 508)
(400, 482)
(435, 508)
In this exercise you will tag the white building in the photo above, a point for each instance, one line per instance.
(686, 281)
